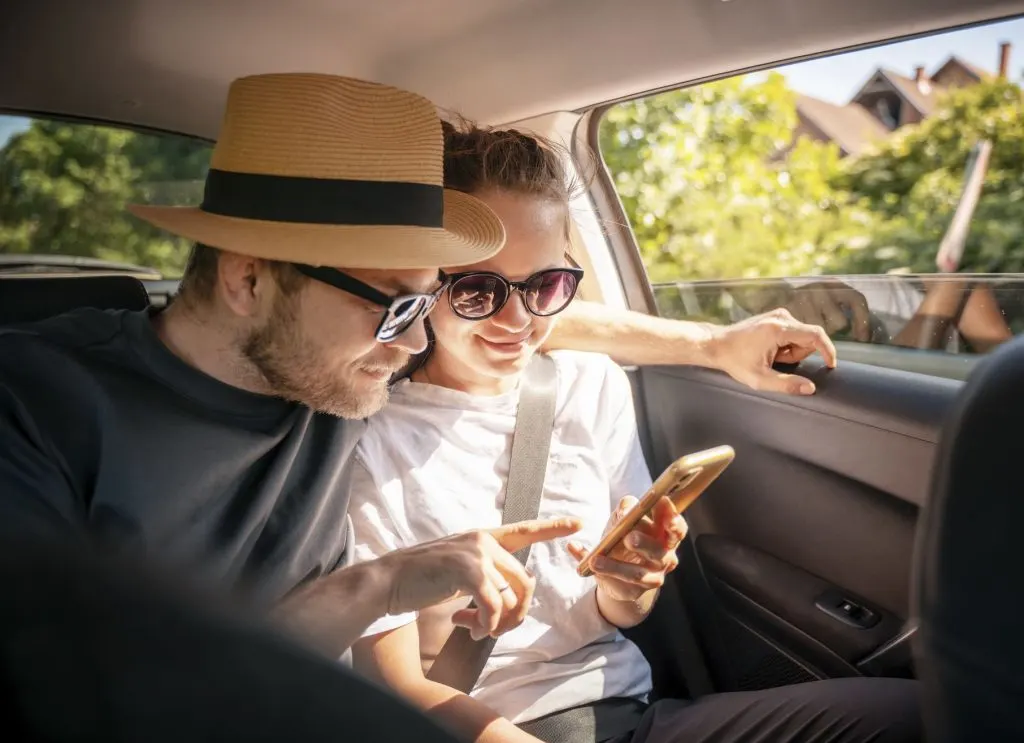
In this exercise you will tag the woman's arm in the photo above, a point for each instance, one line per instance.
(626, 613)
(982, 322)
(632, 337)
(745, 350)
(630, 578)
(393, 658)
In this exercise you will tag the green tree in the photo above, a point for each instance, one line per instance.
(914, 181)
(64, 187)
(715, 186)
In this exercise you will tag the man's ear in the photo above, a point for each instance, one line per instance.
(243, 283)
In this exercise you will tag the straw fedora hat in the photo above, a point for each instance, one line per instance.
(332, 171)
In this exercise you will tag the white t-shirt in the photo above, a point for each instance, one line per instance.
(434, 463)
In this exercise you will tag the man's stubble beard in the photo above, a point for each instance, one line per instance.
(292, 368)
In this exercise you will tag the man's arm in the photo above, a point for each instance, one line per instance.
(394, 659)
(38, 503)
(36, 499)
(333, 612)
(745, 350)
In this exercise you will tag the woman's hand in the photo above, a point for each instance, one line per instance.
(636, 569)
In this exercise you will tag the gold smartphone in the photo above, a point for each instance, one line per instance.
(682, 482)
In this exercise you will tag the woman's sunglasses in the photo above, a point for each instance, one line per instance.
(478, 295)
(399, 312)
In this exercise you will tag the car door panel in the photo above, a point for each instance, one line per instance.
(794, 600)
(814, 519)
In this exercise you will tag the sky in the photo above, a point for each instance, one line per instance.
(10, 125)
(837, 78)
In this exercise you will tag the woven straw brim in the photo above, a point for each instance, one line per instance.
(472, 233)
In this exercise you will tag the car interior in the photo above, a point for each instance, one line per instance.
(799, 558)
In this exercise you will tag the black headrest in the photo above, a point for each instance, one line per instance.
(969, 571)
(31, 299)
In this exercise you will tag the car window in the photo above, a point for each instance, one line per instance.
(64, 187)
(878, 193)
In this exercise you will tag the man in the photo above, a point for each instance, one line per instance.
(215, 437)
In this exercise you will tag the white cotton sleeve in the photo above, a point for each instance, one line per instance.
(627, 468)
(374, 533)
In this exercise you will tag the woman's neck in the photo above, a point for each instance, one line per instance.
(441, 371)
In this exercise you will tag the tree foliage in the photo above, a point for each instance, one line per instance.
(914, 181)
(716, 187)
(700, 174)
(64, 187)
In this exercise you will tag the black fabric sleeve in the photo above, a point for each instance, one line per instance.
(97, 648)
(37, 500)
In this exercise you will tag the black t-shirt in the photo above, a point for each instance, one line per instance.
(105, 432)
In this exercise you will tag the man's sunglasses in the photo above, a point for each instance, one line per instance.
(399, 312)
(478, 295)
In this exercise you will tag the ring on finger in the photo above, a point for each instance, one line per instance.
(506, 587)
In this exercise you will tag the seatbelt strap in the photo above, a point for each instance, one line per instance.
(462, 659)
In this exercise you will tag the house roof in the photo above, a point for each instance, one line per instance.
(923, 100)
(851, 126)
(979, 73)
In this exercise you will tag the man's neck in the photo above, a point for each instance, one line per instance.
(208, 344)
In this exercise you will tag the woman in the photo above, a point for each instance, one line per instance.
(434, 463)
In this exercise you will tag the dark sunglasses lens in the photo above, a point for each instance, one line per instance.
(550, 292)
(402, 313)
(477, 296)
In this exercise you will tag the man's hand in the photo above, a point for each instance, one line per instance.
(629, 577)
(478, 564)
(747, 350)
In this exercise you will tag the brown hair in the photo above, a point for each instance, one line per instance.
(200, 275)
(478, 159)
